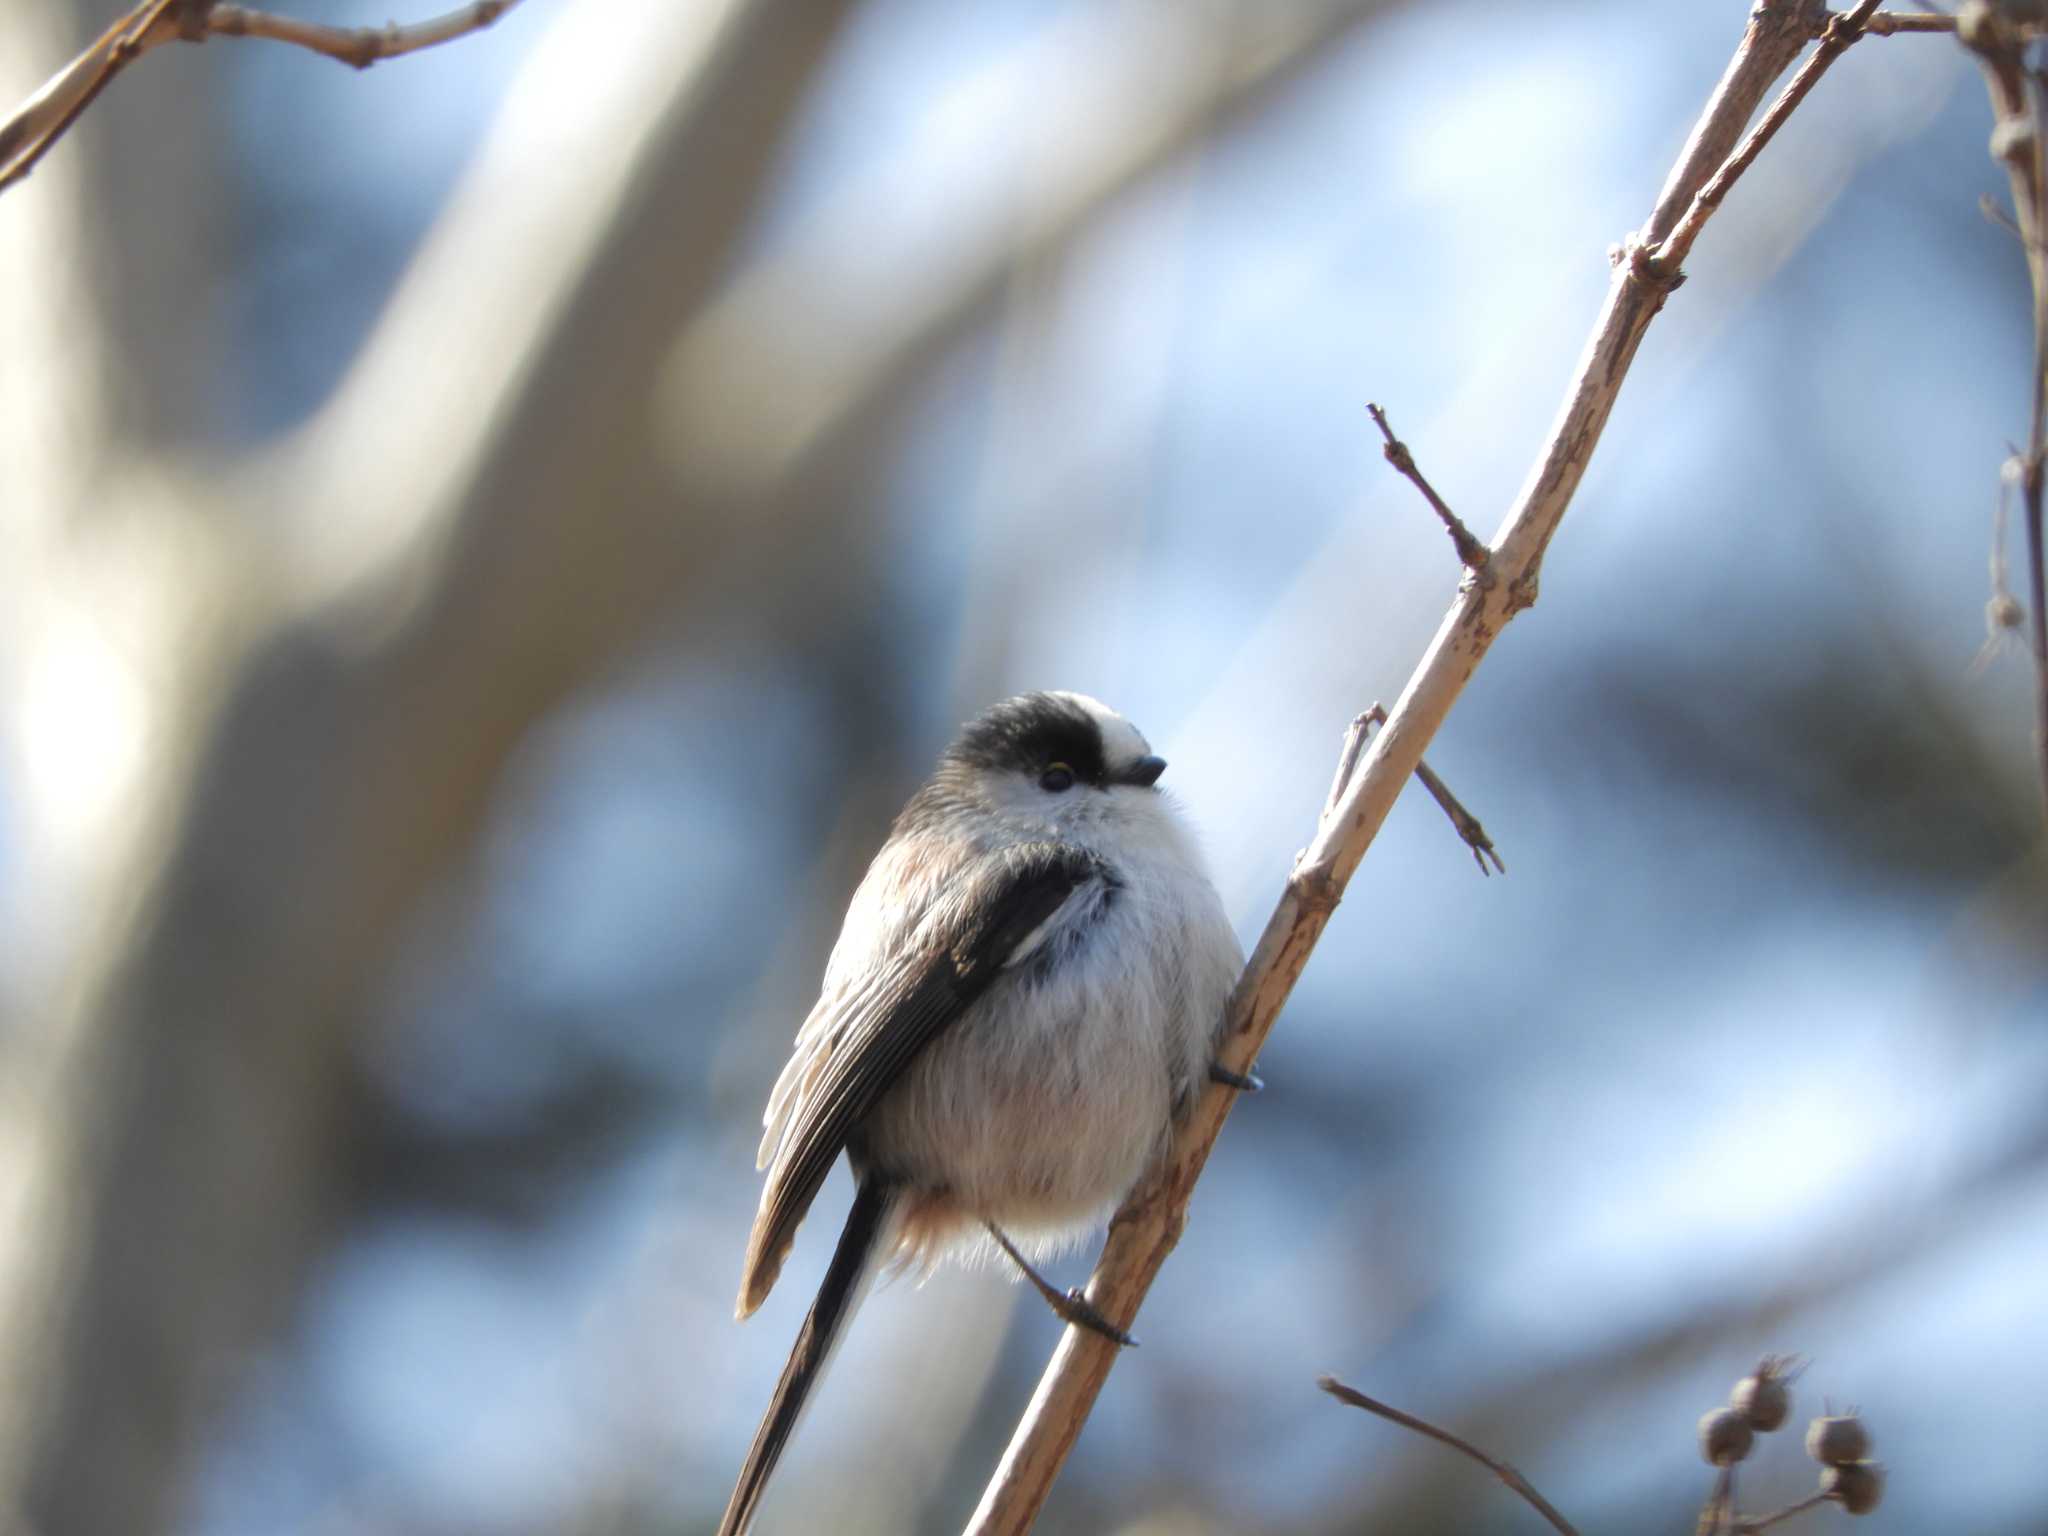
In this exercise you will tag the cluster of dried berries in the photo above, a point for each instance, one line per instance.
(1761, 1402)
(1841, 1445)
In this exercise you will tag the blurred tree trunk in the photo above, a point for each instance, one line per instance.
(199, 1137)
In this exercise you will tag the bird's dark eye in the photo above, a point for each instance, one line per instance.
(1057, 779)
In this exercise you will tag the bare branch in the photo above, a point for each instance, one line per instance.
(1472, 554)
(48, 115)
(1498, 1468)
(1146, 1229)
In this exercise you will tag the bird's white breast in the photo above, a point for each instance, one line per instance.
(1052, 1095)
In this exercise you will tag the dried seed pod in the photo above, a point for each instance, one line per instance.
(1725, 1437)
(1762, 1399)
(1837, 1440)
(1856, 1485)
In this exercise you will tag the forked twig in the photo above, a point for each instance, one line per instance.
(1842, 29)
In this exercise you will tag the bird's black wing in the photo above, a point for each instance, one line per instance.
(970, 934)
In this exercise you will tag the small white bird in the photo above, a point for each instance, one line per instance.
(1021, 1006)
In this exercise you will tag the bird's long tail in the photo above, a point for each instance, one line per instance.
(862, 1247)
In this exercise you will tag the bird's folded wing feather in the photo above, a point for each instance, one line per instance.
(995, 913)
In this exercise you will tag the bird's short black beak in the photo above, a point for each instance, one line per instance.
(1145, 771)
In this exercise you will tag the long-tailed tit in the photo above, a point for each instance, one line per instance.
(1021, 1006)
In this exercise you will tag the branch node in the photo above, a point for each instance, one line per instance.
(1523, 591)
(2012, 140)
(1650, 265)
(1316, 890)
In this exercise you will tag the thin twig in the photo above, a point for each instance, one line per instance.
(2003, 613)
(48, 115)
(1999, 38)
(1145, 1231)
(1765, 1522)
(1472, 554)
(1466, 824)
(1998, 216)
(1843, 28)
(1348, 755)
(1497, 1467)
(357, 46)
(1714, 1514)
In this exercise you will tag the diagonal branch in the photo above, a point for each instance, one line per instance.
(1146, 1229)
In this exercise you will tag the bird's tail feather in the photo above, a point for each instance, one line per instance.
(863, 1245)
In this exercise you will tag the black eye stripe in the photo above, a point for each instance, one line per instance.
(1030, 734)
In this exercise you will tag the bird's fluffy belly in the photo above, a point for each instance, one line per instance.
(1039, 1127)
